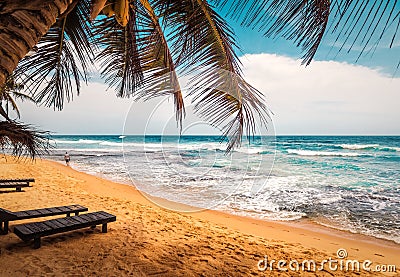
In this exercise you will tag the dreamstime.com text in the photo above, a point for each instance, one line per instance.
(340, 263)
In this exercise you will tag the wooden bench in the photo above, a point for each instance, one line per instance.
(35, 231)
(7, 216)
(18, 184)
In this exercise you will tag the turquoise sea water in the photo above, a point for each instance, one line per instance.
(345, 182)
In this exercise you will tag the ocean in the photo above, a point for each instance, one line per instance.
(349, 183)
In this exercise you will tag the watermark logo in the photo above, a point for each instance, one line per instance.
(341, 253)
(340, 263)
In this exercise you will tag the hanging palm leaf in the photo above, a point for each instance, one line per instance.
(22, 139)
(119, 57)
(137, 59)
(62, 61)
(305, 22)
(17, 138)
(204, 46)
(8, 94)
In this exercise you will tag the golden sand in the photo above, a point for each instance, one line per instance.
(148, 240)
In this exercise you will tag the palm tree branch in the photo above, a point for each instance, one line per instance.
(206, 10)
(63, 57)
(120, 55)
(168, 62)
(23, 139)
(7, 97)
(203, 44)
(4, 114)
(10, 91)
(305, 22)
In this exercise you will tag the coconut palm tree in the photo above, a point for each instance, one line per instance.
(16, 137)
(141, 44)
(8, 93)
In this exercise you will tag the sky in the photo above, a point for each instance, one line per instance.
(332, 96)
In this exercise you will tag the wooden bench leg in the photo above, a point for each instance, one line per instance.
(76, 213)
(36, 243)
(104, 228)
(18, 188)
(5, 228)
(92, 227)
(68, 214)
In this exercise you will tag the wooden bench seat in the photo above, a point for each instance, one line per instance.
(7, 216)
(18, 184)
(35, 231)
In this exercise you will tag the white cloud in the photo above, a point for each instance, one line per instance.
(325, 98)
(94, 111)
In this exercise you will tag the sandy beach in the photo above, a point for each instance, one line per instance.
(147, 240)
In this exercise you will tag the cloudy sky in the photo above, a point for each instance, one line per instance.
(334, 95)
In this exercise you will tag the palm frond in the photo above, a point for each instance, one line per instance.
(8, 93)
(305, 22)
(65, 52)
(4, 114)
(119, 57)
(365, 23)
(136, 58)
(22, 139)
(204, 46)
(158, 61)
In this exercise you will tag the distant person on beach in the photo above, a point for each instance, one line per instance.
(66, 158)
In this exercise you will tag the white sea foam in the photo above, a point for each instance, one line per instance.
(104, 150)
(110, 143)
(80, 141)
(329, 199)
(285, 216)
(267, 214)
(249, 150)
(321, 153)
(358, 146)
(368, 146)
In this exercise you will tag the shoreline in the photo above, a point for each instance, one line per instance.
(302, 223)
(57, 185)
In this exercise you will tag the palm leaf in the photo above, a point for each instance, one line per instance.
(204, 46)
(23, 139)
(305, 22)
(8, 93)
(136, 58)
(4, 114)
(65, 52)
(373, 19)
(119, 57)
(158, 61)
